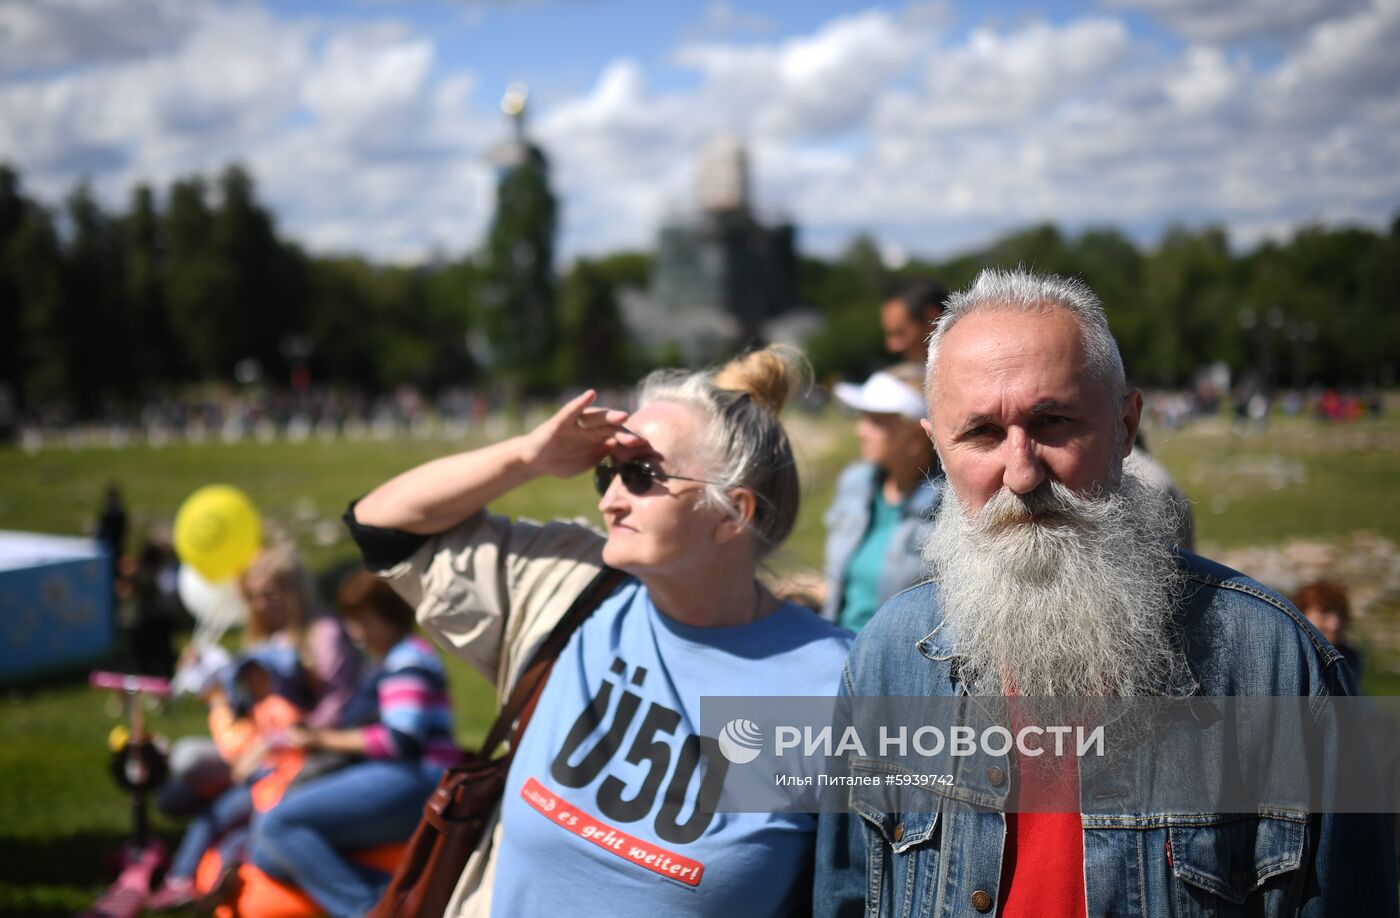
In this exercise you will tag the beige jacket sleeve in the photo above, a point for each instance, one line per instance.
(491, 589)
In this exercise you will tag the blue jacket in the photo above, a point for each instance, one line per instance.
(848, 518)
(1240, 639)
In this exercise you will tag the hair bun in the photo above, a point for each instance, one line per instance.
(767, 376)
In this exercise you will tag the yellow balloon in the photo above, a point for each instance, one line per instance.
(217, 532)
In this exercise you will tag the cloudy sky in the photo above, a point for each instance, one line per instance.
(368, 124)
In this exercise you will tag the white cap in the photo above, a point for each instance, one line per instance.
(883, 394)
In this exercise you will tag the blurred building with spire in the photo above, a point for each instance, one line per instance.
(522, 295)
(721, 278)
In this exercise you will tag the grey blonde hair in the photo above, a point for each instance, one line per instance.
(744, 443)
(279, 562)
(1020, 290)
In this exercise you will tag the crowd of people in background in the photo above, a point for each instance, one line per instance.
(265, 415)
(331, 414)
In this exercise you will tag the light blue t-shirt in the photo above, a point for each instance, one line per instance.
(587, 827)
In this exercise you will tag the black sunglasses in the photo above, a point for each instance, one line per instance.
(638, 477)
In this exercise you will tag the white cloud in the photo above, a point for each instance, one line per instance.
(625, 156)
(996, 78)
(621, 156)
(388, 157)
(1343, 63)
(1206, 81)
(1214, 21)
(725, 20)
(63, 33)
(366, 136)
(224, 89)
(368, 90)
(1081, 123)
(355, 143)
(822, 84)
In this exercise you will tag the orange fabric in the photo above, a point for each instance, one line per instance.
(274, 713)
(268, 790)
(270, 716)
(233, 736)
(260, 896)
(207, 873)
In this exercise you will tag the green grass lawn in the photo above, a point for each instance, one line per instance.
(1297, 479)
(61, 812)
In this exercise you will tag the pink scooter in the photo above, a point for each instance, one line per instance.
(138, 766)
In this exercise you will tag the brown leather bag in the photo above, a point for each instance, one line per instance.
(465, 799)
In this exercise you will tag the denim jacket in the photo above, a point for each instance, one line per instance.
(1240, 639)
(848, 518)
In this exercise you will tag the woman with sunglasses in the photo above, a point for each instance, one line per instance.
(605, 806)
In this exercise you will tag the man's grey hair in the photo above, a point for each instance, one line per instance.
(1020, 290)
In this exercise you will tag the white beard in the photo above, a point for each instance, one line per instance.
(1054, 594)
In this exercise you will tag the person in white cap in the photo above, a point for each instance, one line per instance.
(884, 504)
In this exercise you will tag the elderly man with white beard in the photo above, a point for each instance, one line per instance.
(1052, 573)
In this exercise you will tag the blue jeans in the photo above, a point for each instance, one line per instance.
(198, 775)
(233, 809)
(305, 837)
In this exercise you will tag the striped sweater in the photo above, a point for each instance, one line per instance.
(405, 709)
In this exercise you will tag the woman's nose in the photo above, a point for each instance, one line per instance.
(614, 497)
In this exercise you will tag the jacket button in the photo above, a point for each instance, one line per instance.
(899, 831)
(981, 901)
(996, 776)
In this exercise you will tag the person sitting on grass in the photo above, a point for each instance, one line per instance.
(253, 744)
(400, 723)
(284, 616)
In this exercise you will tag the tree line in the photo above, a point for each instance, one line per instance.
(102, 311)
(1320, 308)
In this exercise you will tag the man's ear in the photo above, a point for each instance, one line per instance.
(1132, 416)
(731, 527)
(927, 425)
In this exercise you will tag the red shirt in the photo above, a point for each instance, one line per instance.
(1042, 866)
(1042, 863)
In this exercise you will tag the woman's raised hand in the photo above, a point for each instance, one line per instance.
(438, 495)
(576, 438)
